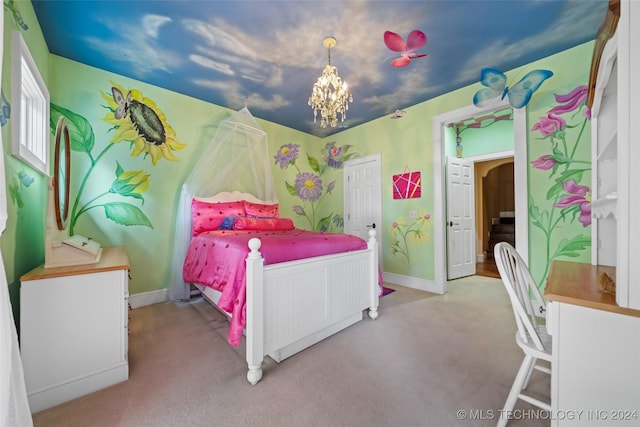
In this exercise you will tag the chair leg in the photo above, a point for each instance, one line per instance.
(516, 388)
(526, 381)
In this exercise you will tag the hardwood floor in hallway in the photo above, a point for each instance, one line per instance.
(487, 268)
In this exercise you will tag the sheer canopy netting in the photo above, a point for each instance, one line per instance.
(236, 159)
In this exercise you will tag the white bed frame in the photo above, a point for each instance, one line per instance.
(293, 305)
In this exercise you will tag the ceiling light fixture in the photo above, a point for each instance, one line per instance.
(330, 95)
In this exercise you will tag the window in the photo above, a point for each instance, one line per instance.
(30, 99)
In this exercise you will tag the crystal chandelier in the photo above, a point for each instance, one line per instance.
(330, 95)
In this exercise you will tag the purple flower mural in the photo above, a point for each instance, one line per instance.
(309, 187)
(568, 199)
(286, 155)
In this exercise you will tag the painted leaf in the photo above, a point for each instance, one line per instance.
(291, 189)
(313, 162)
(324, 223)
(80, 130)
(572, 248)
(126, 214)
(573, 210)
(558, 188)
(537, 218)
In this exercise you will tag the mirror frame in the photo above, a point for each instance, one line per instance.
(62, 148)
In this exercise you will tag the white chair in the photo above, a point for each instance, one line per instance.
(531, 337)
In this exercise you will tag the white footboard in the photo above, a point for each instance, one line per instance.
(293, 305)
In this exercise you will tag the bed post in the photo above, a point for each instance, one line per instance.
(376, 289)
(255, 312)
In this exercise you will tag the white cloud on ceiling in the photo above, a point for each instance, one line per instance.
(137, 46)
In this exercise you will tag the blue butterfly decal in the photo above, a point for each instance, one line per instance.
(518, 94)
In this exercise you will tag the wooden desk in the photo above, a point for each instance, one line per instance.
(596, 343)
(577, 283)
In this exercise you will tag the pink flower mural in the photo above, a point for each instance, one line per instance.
(548, 126)
(580, 196)
(568, 198)
(544, 162)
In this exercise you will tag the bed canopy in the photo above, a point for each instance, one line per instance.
(236, 159)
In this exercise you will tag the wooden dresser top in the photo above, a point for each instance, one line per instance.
(577, 283)
(113, 258)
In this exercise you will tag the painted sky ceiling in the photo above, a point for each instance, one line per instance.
(268, 54)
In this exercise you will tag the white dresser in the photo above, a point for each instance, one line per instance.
(74, 328)
(594, 375)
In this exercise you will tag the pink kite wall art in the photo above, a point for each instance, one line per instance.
(406, 185)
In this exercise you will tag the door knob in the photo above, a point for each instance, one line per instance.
(451, 223)
(372, 225)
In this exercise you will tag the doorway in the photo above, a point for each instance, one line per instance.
(495, 210)
(520, 182)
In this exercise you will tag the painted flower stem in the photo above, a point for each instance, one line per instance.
(575, 146)
(88, 206)
(83, 184)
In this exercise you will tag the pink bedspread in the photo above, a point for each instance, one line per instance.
(217, 259)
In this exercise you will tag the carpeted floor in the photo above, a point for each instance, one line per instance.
(428, 360)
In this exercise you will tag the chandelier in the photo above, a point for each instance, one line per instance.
(330, 95)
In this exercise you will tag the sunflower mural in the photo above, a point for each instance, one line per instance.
(134, 119)
(309, 186)
(138, 120)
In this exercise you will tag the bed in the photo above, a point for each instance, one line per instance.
(281, 304)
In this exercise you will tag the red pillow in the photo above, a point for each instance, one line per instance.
(258, 209)
(206, 216)
(270, 224)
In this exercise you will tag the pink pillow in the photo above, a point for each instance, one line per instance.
(263, 224)
(258, 209)
(207, 216)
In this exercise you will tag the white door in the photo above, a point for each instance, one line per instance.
(363, 198)
(461, 233)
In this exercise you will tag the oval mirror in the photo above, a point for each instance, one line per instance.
(61, 173)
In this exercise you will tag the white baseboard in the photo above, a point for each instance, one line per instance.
(63, 391)
(413, 282)
(480, 257)
(148, 298)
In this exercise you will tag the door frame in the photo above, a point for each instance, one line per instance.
(439, 191)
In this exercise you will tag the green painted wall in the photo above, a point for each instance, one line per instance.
(22, 241)
(151, 209)
(85, 94)
(494, 138)
(409, 142)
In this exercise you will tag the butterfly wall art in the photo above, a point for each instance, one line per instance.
(398, 114)
(395, 42)
(496, 86)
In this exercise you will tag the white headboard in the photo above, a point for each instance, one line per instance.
(227, 196)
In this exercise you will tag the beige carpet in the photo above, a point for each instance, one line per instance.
(428, 360)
